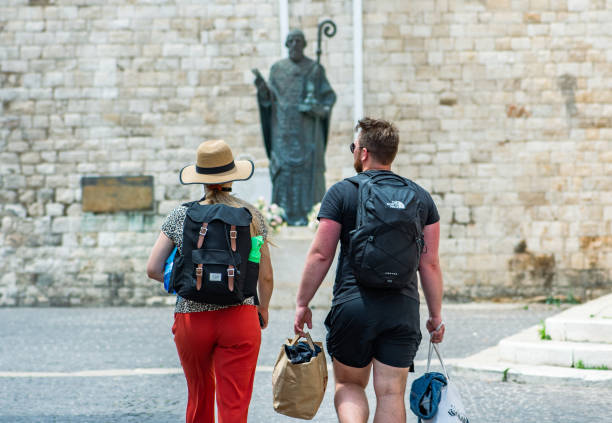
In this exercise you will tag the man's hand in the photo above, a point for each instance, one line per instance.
(432, 324)
(302, 315)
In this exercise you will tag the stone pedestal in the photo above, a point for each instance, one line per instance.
(252, 189)
(288, 258)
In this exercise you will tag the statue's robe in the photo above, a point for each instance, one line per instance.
(295, 141)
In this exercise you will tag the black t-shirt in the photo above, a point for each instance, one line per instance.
(340, 204)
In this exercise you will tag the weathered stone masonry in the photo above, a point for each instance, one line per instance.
(504, 109)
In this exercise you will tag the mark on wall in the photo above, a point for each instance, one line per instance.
(514, 111)
(526, 266)
(448, 99)
(115, 282)
(592, 245)
(567, 85)
(40, 2)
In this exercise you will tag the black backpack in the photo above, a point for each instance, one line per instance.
(213, 267)
(385, 246)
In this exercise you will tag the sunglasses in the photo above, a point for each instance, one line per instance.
(352, 147)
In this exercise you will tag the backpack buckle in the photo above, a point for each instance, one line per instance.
(203, 231)
(233, 234)
(230, 272)
(199, 271)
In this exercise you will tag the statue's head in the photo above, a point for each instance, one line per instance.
(296, 43)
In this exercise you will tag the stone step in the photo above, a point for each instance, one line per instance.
(528, 348)
(488, 365)
(590, 322)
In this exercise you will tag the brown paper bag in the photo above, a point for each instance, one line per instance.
(298, 389)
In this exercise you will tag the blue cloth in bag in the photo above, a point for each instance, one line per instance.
(425, 394)
(168, 271)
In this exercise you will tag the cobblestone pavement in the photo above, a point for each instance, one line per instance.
(104, 339)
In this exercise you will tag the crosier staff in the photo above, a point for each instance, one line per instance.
(329, 28)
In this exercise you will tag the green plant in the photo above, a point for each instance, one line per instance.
(542, 331)
(505, 375)
(526, 307)
(553, 301)
(568, 299)
(580, 365)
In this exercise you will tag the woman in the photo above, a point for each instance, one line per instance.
(217, 345)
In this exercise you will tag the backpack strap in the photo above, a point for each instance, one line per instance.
(360, 180)
(233, 237)
(200, 268)
(203, 231)
(231, 270)
(199, 271)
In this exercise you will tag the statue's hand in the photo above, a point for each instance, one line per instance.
(260, 82)
(313, 109)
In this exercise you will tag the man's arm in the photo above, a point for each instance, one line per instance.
(318, 261)
(431, 280)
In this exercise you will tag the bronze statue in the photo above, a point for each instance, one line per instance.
(295, 108)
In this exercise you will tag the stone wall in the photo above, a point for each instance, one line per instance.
(504, 109)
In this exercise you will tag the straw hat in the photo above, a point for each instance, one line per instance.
(215, 164)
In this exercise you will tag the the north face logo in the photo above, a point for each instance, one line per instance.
(396, 205)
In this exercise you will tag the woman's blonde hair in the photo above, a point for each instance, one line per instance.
(217, 196)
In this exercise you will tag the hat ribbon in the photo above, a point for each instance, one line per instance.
(215, 170)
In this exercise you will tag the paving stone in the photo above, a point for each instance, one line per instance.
(76, 339)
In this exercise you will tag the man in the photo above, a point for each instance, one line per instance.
(370, 330)
(295, 109)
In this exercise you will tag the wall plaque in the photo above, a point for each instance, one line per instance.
(108, 194)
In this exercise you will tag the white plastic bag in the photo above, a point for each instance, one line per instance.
(450, 408)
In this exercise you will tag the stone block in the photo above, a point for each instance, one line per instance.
(54, 209)
(578, 5)
(15, 210)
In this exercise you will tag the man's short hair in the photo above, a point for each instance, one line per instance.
(379, 137)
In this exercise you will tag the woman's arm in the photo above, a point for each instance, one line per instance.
(160, 252)
(266, 283)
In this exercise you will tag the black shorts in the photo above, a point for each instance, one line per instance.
(381, 326)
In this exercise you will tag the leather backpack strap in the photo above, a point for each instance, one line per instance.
(199, 271)
(203, 231)
(231, 271)
(233, 236)
(200, 268)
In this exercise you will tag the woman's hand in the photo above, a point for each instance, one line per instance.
(263, 312)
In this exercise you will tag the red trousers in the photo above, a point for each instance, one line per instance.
(218, 352)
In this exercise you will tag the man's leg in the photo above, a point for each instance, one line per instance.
(390, 387)
(350, 398)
